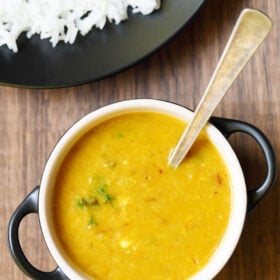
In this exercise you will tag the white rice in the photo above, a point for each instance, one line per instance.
(62, 20)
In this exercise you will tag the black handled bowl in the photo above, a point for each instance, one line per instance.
(35, 202)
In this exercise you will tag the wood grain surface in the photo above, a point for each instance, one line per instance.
(33, 120)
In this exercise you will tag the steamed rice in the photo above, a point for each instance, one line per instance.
(62, 20)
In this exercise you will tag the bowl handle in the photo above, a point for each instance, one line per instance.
(229, 126)
(28, 206)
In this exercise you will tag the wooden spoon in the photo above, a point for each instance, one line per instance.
(249, 31)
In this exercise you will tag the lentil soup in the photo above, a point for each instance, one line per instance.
(120, 212)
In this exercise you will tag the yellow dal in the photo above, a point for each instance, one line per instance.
(121, 213)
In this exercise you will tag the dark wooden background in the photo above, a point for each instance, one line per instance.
(33, 120)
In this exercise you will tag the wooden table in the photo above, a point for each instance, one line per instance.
(33, 120)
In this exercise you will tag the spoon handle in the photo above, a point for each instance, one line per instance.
(249, 31)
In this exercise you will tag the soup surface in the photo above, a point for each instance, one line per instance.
(120, 212)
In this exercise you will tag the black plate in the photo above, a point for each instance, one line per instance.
(97, 55)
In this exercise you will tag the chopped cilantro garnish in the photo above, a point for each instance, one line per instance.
(87, 201)
(107, 198)
(80, 203)
(91, 221)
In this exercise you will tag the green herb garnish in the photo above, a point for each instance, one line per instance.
(91, 222)
(107, 198)
(87, 201)
(120, 135)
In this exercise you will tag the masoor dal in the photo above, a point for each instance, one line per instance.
(121, 212)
